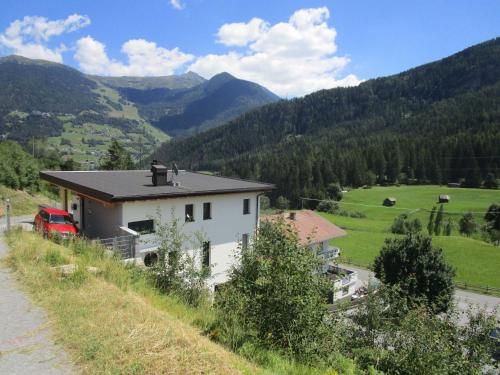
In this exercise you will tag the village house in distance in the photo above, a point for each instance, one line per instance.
(118, 207)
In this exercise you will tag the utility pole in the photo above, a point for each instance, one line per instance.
(7, 213)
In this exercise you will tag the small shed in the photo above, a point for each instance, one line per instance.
(454, 184)
(443, 198)
(389, 201)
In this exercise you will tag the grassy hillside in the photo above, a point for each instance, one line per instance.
(22, 202)
(476, 261)
(105, 325)
(115, 322)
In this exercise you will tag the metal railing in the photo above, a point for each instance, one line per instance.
(124, 246)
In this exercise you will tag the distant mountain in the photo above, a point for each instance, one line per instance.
(79, 113)
(212, 103)
(183, 81)
(435, 123)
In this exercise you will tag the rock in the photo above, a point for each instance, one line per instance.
(93, 270)
(66, 269)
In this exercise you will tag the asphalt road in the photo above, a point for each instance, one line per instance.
(26, 344)
(463, 299)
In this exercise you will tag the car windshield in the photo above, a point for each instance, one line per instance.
(60, 219)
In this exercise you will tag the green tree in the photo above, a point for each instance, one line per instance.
(276, 295)
(448, 227)
(328, 206)
(430, 225)
(265, 202)
(467, 225)
(18, 170)
(178, 268)
(438, 222)
(334, 191)
(490, 181)
(118, 158)
(418, 268)
(282, 203)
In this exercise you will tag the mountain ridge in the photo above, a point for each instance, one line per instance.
(257, 144)
(48, 100)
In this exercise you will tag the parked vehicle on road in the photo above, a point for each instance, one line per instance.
(53, 221)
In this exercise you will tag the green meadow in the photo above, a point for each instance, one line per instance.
(476, 262)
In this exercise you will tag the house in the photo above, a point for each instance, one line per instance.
(115, 206)
(344, 282)
(443, 198)
(312, 230)
(389, 202)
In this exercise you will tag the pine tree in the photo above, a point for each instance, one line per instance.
(118, 158)
(430, 225)
(438, 223)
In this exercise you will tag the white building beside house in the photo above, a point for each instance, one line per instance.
(116, 205)
(316, 232)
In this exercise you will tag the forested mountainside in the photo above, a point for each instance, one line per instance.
(436, 123)
(79, 114)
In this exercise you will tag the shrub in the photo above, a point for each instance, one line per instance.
(467, 225)
(334, 191)
(328, 206)
(282, 203)
(418, 269)
(402, 225)
(275, 296)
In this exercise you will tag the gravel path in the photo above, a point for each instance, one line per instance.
(26, 346)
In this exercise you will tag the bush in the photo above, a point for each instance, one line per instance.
(334, 191)
(275, 296)
(282, 203)
(418, 269)
(467, 225)
(179, 269)
(403, 225)
(328, 206)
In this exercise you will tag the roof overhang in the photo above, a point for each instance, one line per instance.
(109, 198)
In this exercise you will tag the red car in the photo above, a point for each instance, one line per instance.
(52, 220)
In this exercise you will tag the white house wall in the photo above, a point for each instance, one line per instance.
(224, 230)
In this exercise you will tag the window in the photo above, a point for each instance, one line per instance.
(207, 211)
(205, 256)
(189, 213)
(244, 241)
(60, 219)
(143, 226)
(246, 206)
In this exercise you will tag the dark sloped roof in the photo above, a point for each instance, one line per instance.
(114, 186)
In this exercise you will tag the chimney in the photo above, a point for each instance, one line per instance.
(292, 216)
(159, 173)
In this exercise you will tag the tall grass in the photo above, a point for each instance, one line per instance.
(115, 322)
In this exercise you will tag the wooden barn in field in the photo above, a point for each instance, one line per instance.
(389, 202)
(444, 198)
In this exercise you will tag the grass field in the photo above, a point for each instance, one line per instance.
(476, 262)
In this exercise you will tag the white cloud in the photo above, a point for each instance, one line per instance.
(29, 37)
(176, 4)
(240, 34)
(144, 58)
(290, 58)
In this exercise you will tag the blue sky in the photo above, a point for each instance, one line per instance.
(291, 47)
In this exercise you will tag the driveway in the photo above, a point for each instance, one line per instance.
(463, 298)
(26, 344)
